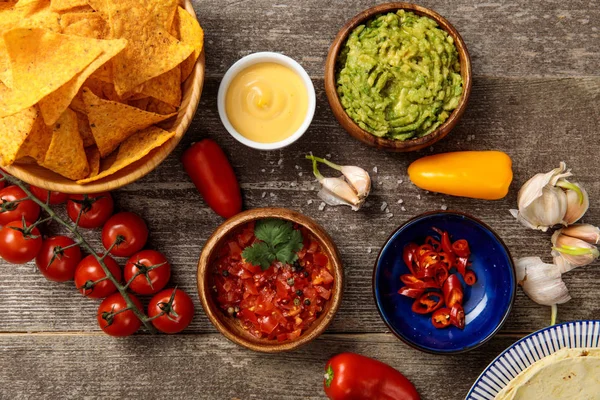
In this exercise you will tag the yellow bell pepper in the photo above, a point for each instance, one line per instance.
(476, 174)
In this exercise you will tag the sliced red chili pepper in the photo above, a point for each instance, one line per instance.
(411, 292)
(428, 258)
(448, 259)
(470, 278)
(457, 316)
(461, 265)
(430, 240)
(409, 255)
(461, 248)
(423, 249)
(415, 283)
(441, 274)
(453, 291)
(427, 303)
(441, 318)
(446, 243)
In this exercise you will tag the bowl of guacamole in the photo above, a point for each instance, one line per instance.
(398, 76)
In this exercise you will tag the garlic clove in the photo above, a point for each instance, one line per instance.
(570, 252)
(541, 282)
(358, 178)
(533, 188)
(586, 232)
(578, 203)
(545, 211)
(336, 191)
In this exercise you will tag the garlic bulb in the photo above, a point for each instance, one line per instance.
(570, 252)
(351, 189)
(586, 232)
(541, 282)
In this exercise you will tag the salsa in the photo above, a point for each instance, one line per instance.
(280, 301)
(398, 76)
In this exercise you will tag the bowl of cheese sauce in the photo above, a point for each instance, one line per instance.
(266, 101)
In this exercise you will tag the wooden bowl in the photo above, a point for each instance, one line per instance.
(353, 128)
(231, 327)
(192, 89)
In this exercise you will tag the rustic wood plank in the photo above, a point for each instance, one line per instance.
(518, 38)
(210, 367)
(539, 122)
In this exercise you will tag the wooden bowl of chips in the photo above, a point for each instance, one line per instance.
(138, 153)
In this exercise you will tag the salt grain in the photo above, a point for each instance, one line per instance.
(327, 155)
(444, 207)
(374, 170)
(403, 209)
(263, 194)
(400, 201)
(262, 170)
(369, 250)
(387, 210)
(383, 206)
(419, 196)
(297, 166)
(322, 206)
(293, 184)
(309, 202)
(299, 173)
(273, 170)
(400, 181)
(272, 194)
(280, 161)
(390, 215)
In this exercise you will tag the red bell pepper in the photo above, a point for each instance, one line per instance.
(350, 376)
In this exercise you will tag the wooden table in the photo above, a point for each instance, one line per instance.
(536, 95)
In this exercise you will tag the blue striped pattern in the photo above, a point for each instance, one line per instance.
(530, 349)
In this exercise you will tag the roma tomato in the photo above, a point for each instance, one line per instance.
(95, 209)
(152, 270)
(177, 310)
(42, 194)
(128, 227)
(209, 169)
(350, 376)
(89, 272)
(14, 212)
(57, 262)
(18, 244)
(115, 323)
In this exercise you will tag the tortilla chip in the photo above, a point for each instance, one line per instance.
(133, 149)
(142, 103)
(160, 107)
(93, 157)
(191, 33)
(66, 155)
(7, 5)
(165, 87)
(53, 105)
(37, 143)
(95, 85)
(14, 130)
(113, 122)
(88, 24)
(62, 5)
(150, 51)
(43, 61)
(84, 130)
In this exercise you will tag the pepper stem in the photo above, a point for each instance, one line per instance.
(565, 184)
(553, 314)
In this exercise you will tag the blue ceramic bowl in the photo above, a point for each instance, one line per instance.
(487, 304)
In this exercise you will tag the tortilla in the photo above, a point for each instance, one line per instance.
(43, 61)
(113, 122)
(88, 24)
(93, 157)
(133, 149)
(53, 105)
(192, 34)
(163, 11)
(165, 87)
(84, 130)
(62, 5)
(564, 375)
(66, 155)
(151, 50)
(14, 130)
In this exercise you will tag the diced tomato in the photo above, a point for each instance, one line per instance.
(295, 334)
(235, 251)
(282, 289)
(247, 315)
(250, 287)
(324, 293)
(253, 269)
(268, 324)
(321, 259)
(313, 247)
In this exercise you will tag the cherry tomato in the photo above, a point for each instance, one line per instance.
(2, 184)
(209, 169)
(97, 209)
(42, 195)
(89, 271)
(151, 277)
(17, 245)
(133, 230)
(56, 263)
(177, 308)
(27, 208)
(115, 323)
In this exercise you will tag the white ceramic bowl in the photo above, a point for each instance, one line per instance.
(257, 58)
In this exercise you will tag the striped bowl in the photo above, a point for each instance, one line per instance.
(530, 349)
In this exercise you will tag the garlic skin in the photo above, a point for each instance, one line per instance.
(358, 178)
(542, 204)
(541, 282)
(336, 192)
(570, 252)
(577, 204)
(586, 232)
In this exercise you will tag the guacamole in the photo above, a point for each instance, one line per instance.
(398, 76)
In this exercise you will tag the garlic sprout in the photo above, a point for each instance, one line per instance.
(571, 252)
(351, 189)
(578, 202)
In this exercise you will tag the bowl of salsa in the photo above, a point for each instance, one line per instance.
(270, 279)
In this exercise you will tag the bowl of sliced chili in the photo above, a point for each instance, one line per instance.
(270, 279)
(444, 282)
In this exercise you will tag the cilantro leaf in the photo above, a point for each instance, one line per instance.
(259, 254)
(279, 241)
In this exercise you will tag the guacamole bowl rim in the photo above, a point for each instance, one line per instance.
(350, 125)
(257, 58)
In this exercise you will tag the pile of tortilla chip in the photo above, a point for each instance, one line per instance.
(83, 83)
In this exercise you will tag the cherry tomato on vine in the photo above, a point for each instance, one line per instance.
(19, 243)
(42, 194)
(89, 271)
(57, 263)
(177, 309)
(211, 172)
(97, 209)
(152, 276)
(115, 323)
(2, 184)
(131, 228)
(27, 208)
